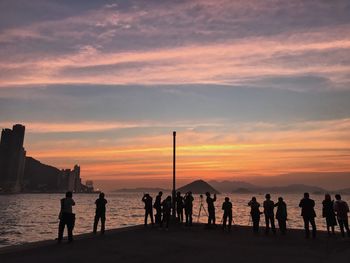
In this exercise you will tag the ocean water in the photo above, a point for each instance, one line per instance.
(33, 217)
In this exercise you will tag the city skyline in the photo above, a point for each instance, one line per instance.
(252, 88)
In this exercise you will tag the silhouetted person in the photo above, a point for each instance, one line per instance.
(158, 206)
(341, 208)
(100, 213)
(308, 213)
(211, 209)
(269, 205)
(67, 218)
(166, 205)
(179, 207)
(227, 207)
(281, 215)
(188, 208)
(328, 213)
(255, 214)
(147, 199)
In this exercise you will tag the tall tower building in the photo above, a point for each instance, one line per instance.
(12, 158)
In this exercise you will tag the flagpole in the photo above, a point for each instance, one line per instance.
(174, 173)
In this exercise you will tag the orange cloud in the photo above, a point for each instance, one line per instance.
(266, 149)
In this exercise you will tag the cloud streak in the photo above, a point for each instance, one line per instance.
(92, 55)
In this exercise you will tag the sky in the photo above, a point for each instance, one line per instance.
(253, 88)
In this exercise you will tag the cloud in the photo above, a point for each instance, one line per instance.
(241, 149)
(230, 43)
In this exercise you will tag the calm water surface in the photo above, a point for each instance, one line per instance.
(33, 217)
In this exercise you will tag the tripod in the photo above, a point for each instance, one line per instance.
(201, 206)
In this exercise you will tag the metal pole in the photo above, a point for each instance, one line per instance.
(174, 173)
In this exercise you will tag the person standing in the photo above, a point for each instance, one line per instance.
(328, 213)
(67, 218)
(166, 204)
(211, 209)
(308, 213)
(227, 207)
(189, 208)
(269, 206)
(341, 208)
(147, 199)
(100, 213)
(281, 215)
(158, 206)
(180, 207)
(255, 214)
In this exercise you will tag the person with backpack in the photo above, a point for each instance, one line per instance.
(227, 207)
(66, 216)
(269, 206)
(308, 213)
(328, 213)
(255, 214)
(100, 213)
(341, 209)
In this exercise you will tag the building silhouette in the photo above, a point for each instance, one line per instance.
(70, 180)
(12, 159)
(19, 173)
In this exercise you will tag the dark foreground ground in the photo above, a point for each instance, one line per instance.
(182, 245)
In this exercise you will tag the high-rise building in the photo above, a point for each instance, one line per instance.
(71, 180)
(12, 159)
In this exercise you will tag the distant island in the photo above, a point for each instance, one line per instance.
(198, 187)
(141, 189)
(242, 187)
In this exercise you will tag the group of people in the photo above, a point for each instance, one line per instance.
(332, 211)
(335, 213)
(164, 208)
(67, 217)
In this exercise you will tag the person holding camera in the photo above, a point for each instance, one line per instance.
(100, 213)
(66, 216)
(255, 214)
(147, 199)
(211, 209)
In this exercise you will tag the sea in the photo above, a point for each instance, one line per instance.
(33, 217)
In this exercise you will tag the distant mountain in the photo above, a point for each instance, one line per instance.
(244, 187)
(229, 186)
(345, 191)
(328, 180)
(293, 188)
(39, 176)
(141, 189)
(198, 187)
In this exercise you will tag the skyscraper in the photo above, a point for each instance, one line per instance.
(12, 158)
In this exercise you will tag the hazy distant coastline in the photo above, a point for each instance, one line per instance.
(140, 189)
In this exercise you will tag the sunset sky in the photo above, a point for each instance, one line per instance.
(251, 87)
